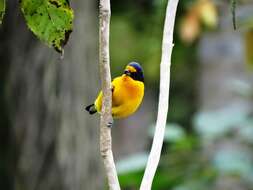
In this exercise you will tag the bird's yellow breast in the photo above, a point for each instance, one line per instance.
(127, 96)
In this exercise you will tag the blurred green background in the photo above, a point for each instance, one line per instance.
(49, 142)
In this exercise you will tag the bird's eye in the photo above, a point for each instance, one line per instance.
(127, 72)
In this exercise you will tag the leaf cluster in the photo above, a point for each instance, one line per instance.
(50, 20)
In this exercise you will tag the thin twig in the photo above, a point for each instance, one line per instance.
(106, 117)
(233, 8)
(167, 47)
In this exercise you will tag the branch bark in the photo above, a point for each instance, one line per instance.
(167, 46)
(106, 117)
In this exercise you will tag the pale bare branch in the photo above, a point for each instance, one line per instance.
(167, 46)
(106, 117)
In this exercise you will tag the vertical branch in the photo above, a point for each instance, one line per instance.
(106, 117)
(167, 46)
(233, 7)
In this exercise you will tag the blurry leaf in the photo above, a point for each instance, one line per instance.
(233, 161)
(214, 124)
(189, 28)
(187, 143)
(50, 20)
(130, 180)
(201, 11)
(249, 47)
(132, 163)
(242, 88)
(191, 185)
(208, 13)
(2, 10)
(173, 132)
(249, 178)
(246, 131)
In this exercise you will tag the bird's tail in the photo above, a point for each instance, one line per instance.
(91, 109)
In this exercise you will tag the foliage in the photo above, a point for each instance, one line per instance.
(200, 12)
(2, 10)
(220, 147)
(187, 164)
(180, 167)
(50, 20)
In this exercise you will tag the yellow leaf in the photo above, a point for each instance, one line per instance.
(189, 28)
(208, 13)
(249, 48)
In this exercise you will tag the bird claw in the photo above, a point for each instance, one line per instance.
(112, 88)
(110, 123)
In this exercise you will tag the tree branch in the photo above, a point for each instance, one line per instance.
(106, 117)
(233, 7)
(167, 46)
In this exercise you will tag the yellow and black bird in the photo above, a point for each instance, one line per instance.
(127, 92)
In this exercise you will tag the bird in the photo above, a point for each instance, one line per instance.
(127, 93)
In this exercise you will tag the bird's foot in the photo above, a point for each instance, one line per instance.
(110, 123)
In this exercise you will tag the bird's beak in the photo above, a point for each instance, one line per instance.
(127, 72)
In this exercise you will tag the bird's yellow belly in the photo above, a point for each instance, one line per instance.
(126, 108)
(126, 97)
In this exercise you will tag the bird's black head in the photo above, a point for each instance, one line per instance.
(135, 71)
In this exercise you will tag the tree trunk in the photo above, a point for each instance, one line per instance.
(54, 143)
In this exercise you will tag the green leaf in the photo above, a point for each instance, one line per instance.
(50, 20)
(2, 10)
